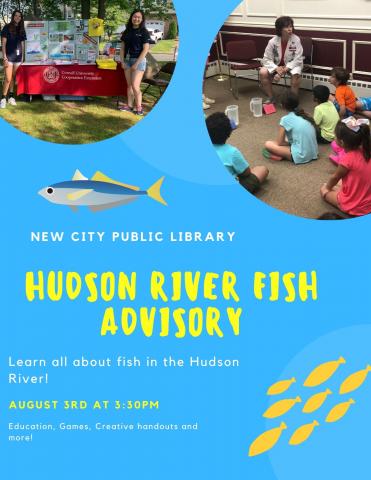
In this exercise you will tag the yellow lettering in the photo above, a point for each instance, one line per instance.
(108, 323)
(157, 281)
(73, 291)
(31, 287)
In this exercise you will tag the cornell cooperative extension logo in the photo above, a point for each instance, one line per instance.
(51, 75)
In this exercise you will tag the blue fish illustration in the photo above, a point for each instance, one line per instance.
(98, 193)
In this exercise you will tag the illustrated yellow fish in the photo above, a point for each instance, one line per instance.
(322, 373)
(266, 440)
(355, 380)
(337, 412)
(302, 433)
(281, 386)
(281, 407)
(100, 192)
(316, 401)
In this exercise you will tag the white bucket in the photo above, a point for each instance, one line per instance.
(256, 106)
(232, 113)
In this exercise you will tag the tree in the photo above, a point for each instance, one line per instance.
(102, 9)
(115, 17)
(85, 8)
(157, 8)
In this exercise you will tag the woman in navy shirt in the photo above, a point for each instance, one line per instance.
(13, 37)
(134, 48)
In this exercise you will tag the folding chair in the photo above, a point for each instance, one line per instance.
(158, 81)
(307, 43)
(241, 55)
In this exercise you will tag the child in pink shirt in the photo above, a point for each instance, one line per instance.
(349, 188)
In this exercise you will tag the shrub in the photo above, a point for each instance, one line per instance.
(173, 31)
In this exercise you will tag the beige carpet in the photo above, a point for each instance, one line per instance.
(291, 188)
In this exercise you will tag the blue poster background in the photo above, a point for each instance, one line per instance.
(277, 339)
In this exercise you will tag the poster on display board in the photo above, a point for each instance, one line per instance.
(86, 47)
(37, 41)
(183, 332)
(64, 40)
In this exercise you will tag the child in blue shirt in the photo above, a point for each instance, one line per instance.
(220, 129)
(299, 128)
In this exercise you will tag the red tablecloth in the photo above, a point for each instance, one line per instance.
(70, 80)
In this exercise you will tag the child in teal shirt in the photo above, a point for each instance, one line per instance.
(220, 129)
(299, 128)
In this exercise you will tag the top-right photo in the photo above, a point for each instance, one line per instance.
(287, 101)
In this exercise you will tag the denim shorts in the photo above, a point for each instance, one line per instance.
(348, 113)
(129, 62)
(366, 103)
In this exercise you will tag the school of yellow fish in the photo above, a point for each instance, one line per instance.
(317, 376)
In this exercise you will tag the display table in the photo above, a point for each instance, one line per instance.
(84, 80)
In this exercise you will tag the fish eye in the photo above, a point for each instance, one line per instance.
(50, 190)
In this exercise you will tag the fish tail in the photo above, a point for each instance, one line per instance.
(315, 423)
(154, 191)
(368, 368)
(341, 360)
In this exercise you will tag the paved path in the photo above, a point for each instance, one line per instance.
(163, 57)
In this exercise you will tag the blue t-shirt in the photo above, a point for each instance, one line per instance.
(13, 43)
(302, 138)
(134, 40)
(232, 159)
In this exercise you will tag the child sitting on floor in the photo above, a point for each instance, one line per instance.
(325, 115)
(349, 188)
(345, 100)
(300, 131)
(220, 129)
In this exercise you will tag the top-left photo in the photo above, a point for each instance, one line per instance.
(79, 72)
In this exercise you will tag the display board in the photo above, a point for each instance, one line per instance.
(37, 41)
(60, 40)
(87, 47)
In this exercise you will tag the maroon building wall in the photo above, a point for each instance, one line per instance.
(328, 48)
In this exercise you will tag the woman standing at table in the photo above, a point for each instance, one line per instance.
(13, 37)
(134, 48)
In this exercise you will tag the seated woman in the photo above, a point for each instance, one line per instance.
(283, 55)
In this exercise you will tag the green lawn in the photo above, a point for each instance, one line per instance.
(164, 46)
(72, 122)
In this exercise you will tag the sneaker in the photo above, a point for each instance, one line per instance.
(209, 101)
(205, 106)
(12, 101)
(125, 108)
(267, 154)
(3, 103)
(139, 112)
